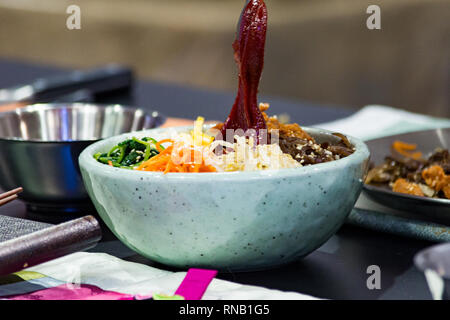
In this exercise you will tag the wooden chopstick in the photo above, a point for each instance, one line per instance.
(8, 199)
(9, 196)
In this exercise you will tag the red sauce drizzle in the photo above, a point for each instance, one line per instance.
(249, 55)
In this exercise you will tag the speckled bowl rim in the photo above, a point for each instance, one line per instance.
(86, 159)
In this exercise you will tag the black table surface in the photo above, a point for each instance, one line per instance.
(337, 270)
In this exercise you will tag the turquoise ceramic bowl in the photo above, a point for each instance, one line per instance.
(228, 221)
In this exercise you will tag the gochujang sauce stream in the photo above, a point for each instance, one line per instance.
(249, 55)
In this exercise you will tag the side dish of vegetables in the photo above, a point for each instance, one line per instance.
(407, 170)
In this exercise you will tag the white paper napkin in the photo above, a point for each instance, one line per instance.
(114, 274)
(376, 121)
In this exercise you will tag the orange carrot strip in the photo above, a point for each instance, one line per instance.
(158, 144)
(406, 149)
(164, 161)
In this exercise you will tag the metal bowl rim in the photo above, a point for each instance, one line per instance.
(50, 106)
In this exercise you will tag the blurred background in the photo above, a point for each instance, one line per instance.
(317, 50)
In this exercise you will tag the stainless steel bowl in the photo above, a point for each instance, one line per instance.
(40, 145)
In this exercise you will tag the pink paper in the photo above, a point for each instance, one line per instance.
(73, 292)
(195, 283)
